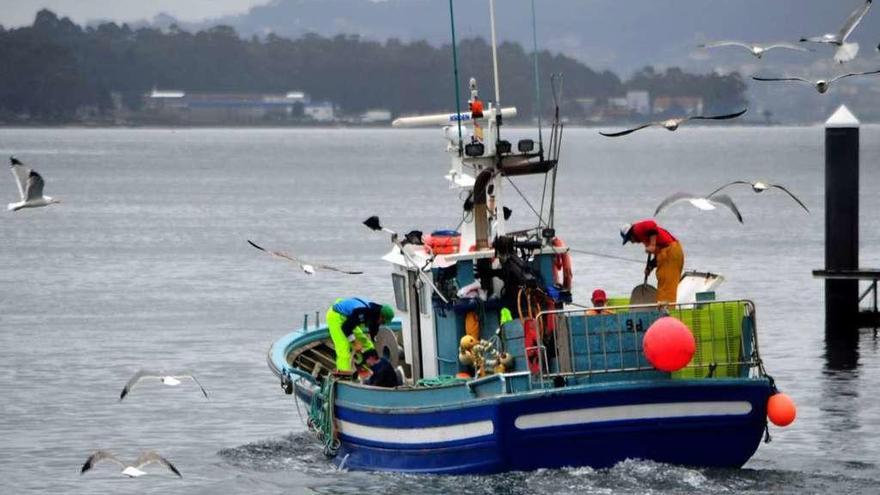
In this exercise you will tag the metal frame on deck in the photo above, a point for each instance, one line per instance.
(749, 357)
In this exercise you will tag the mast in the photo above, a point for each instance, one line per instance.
(495, 55)
(496, 135)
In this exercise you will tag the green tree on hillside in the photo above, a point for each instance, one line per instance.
(52, 68)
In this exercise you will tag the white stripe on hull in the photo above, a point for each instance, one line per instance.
(435, 434)
(632, 412)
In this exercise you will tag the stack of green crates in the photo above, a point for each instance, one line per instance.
(718, 332)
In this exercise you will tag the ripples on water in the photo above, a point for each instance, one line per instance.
(145, 264)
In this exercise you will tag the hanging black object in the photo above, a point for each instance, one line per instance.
(373, 223)
(525, 145)
(474, 149)
(413, 237)
(469, 202)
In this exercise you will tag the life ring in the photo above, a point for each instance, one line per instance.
(562, 272)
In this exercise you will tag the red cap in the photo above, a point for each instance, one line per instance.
(599, 295)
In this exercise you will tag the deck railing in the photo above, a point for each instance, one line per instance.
(572, 342)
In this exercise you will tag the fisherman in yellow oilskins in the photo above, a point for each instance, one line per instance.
(667, 252)
(346, 321)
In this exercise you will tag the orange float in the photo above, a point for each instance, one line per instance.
(668, 344)
(781, 409)
(467, 343)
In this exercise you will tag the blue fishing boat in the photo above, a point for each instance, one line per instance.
(501, 369)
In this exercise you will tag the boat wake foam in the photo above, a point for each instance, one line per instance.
(296, 451)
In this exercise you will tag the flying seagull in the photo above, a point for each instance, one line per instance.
(166, 379)
(753, 48)
(704, 203)
(672, 124)
(306, 267)
(131, 470)
(845, 51)
(760, 187)
(821, 85)
(30, 187)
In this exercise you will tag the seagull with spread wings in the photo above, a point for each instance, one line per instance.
(672, 124)
(306, 267)
(760, 187)
(170, 379)
(132, 470)
(704, 203)
(30, 187)
(845, 51)
(822, 86)
(754, 48)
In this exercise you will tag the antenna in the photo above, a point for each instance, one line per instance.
(537, 81)
(495, 58)
(455, 72)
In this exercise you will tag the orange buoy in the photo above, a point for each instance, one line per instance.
(668, 344)
(472, 326)
(463, 375)
(781, 409)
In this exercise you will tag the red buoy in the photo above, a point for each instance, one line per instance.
(781, 409)
(668, 344)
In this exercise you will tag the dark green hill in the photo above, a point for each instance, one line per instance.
(54, 68)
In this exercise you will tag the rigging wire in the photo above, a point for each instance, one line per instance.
(543, 196)
(552, 214)
(603, 255)
(524, 198)
(455, 72)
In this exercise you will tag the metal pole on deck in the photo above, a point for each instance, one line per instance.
(841, 226)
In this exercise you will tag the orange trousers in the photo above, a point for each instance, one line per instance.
(670, 263)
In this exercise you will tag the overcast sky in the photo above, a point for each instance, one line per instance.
(21, 12)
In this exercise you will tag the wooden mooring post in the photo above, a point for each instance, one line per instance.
(842, 274)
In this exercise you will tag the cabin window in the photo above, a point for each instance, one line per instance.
(399, 283)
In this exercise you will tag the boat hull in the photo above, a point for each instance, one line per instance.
(711, 423)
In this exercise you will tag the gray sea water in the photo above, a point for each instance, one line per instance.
(144, 264)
